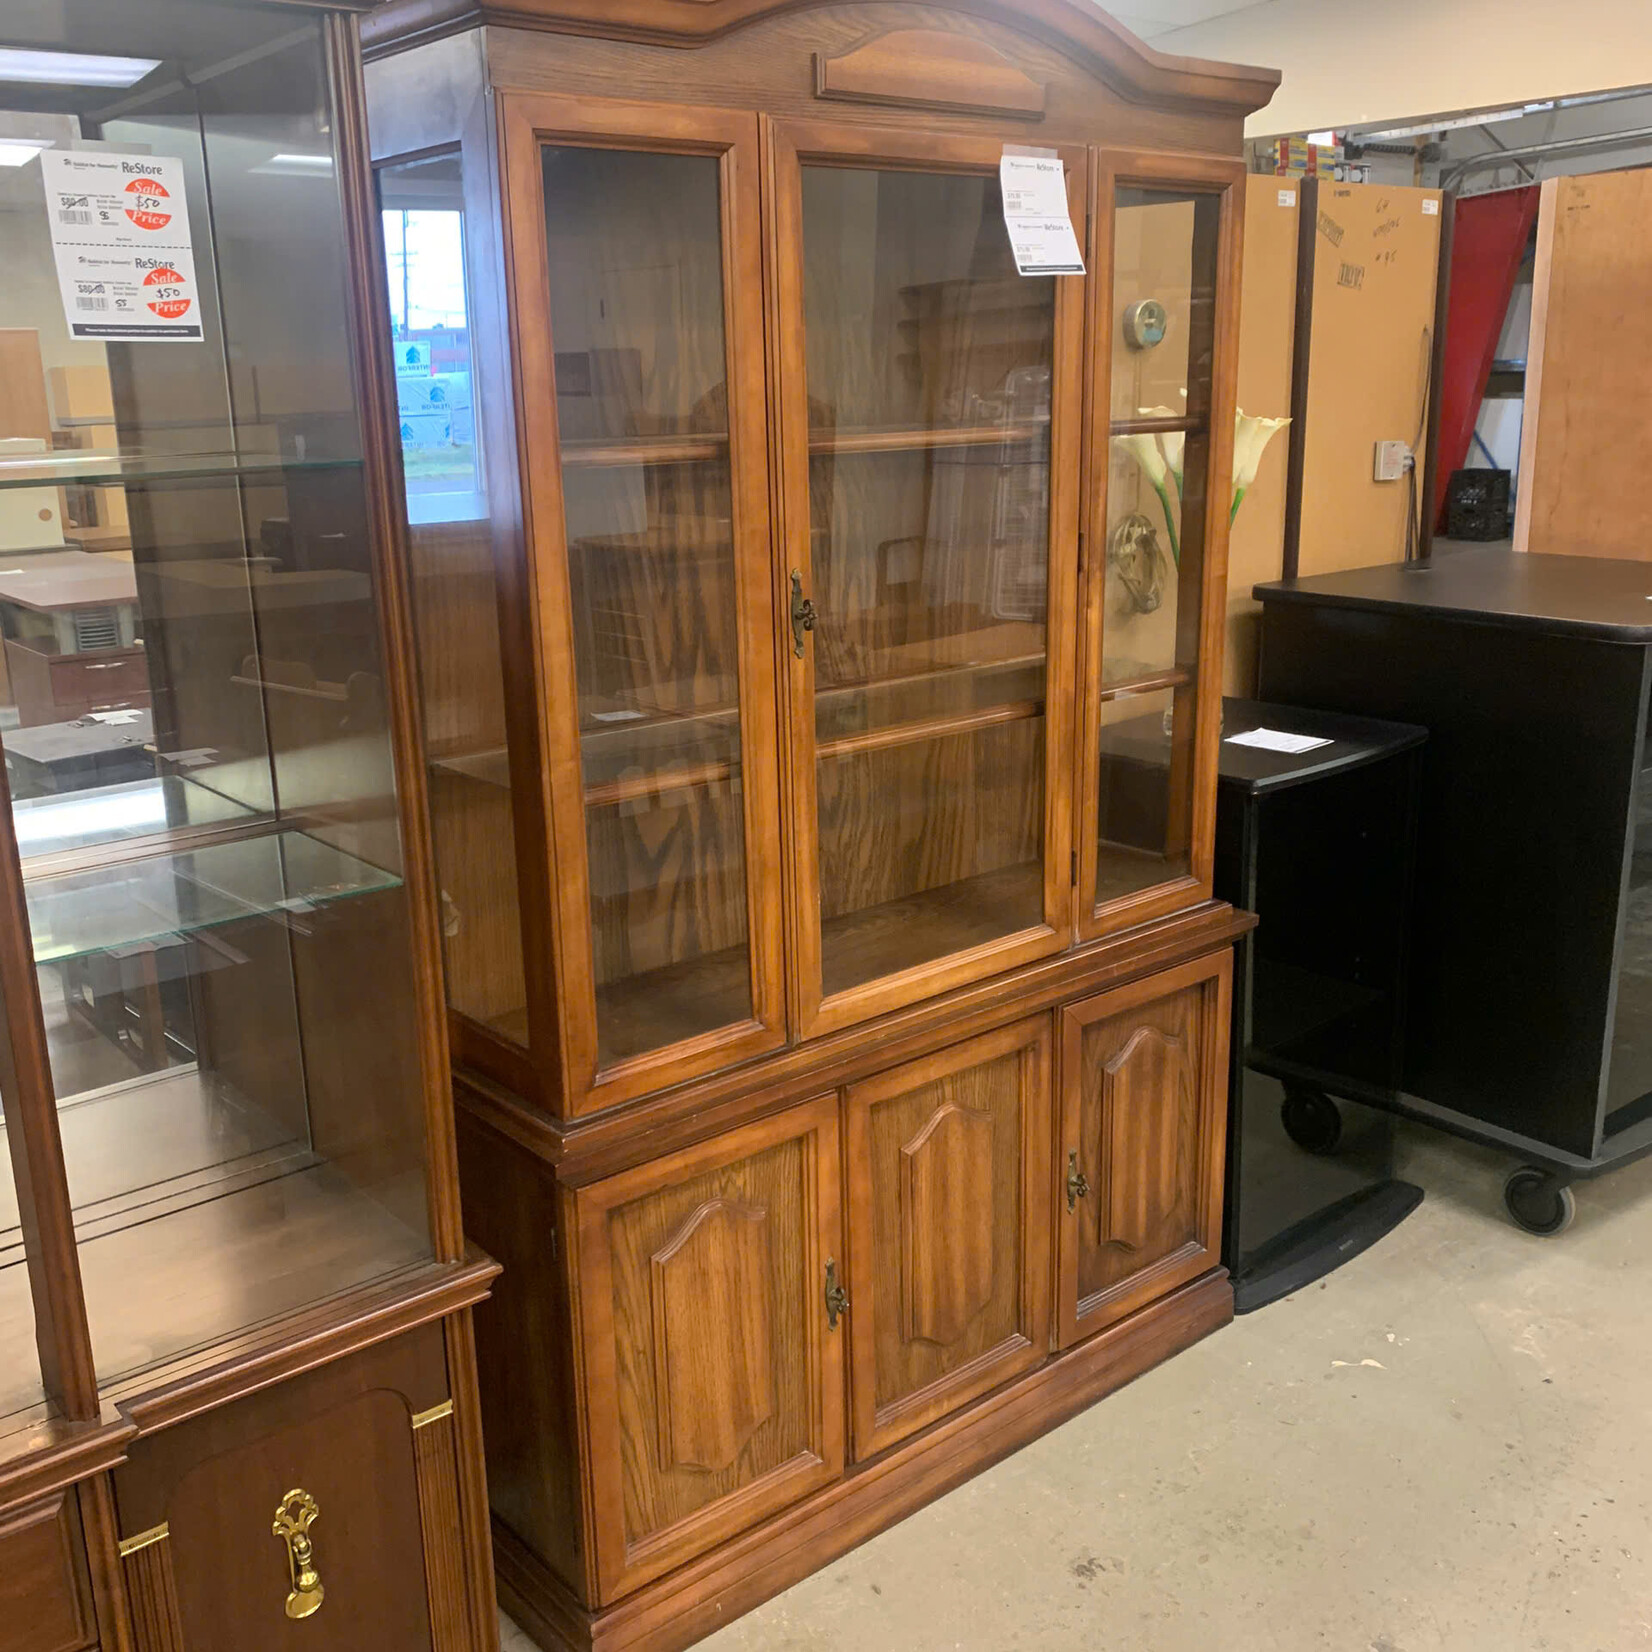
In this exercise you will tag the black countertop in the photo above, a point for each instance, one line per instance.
(1577, 595)
(1354, 741)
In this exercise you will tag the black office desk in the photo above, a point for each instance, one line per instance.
(1529, 1007)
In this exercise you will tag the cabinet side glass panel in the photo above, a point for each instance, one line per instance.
(1162, 317)
(449, 535)
(193, 713)
(641, 363)
(929, 396)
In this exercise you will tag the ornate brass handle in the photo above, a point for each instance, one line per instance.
(294, 1516)
(837, 1299)
(804, 616)
(1078, 1184)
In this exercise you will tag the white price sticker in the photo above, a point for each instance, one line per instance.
(1034, 188)
(120, 236)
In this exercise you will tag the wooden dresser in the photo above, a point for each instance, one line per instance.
(840, 1031)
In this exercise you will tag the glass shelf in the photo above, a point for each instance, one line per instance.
(67, 822)
(86, 469)
(160, 898)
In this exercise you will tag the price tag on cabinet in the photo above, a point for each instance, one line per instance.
(1034, 187)
(120, 236)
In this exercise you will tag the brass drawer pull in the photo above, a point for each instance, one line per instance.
(837, 1299)
(1078, 1184)
(294, 1516)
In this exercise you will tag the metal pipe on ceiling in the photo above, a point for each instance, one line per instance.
(1454, 175)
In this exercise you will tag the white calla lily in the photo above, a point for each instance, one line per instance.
(1172, 443)
(1145, 451)
(1251, 436)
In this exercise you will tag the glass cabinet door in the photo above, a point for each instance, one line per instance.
(194, 700)
(930, 415)
(1157, 517)
(643, 324)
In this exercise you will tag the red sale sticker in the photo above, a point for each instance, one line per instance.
(148, 204)
(168, 299)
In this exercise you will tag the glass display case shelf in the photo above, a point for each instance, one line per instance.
(901, 438)
(80, 468)
(134, 814)
(159, 899)
(890, 735)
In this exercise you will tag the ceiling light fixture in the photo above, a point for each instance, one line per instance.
(313, 166)
(19, 64)
(19, 151)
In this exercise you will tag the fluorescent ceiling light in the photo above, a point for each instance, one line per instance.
(1323, 140)
(18, 151)
(72, 68)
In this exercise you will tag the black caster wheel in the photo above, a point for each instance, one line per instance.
(1538, 1203)
(1312, 1120)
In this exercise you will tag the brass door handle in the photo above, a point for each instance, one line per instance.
(837, 1299)
(804, 615)
(1078, 1184)
(294, 1515)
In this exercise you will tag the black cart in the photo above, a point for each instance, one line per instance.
(1529, 1003)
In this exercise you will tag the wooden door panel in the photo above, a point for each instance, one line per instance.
(949, 1187)
(713, 1384)
(45, 1598)
(1142, 1142)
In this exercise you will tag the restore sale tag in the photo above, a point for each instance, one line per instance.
(1034, 186)
(120, 235)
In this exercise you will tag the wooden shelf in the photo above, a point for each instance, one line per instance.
(645, 1012)
(1153, 682)
(910, 439)
(862, 946)
(1122, 870)
(656, 782)
(644, 450)
(1153, 427)
(180, 1248)
(929, 728)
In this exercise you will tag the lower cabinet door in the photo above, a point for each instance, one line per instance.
(1141, 1143)
(320, 1513)
(711, 1339)
(949, 1190)
(45, 1597)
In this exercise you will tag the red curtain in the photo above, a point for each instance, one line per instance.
(1489, 241)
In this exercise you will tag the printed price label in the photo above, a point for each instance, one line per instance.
(1034, 187)
(120, 236)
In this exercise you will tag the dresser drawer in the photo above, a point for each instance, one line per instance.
(45, 1602)
(99, 679)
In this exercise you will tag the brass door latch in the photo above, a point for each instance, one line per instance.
(837, 1299)
(1078, 1184)
(804, 615)
(294, 1516)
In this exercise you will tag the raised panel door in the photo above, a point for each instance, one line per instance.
(1164, 328)
(1142, 1142)
(713, 1368)
(929, 409)
(949, 1185)
(638, 295)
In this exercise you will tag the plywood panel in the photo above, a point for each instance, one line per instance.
(1587, 417)
(1375, 269)
(1267, 329)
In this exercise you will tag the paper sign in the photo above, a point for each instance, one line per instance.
(1431, 209)
(1287, 197)
(120, 233)
(1034, 187)
(1273, 739)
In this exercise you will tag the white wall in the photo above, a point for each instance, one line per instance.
(1351, 61)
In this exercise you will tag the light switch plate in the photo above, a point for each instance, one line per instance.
(1394, 459)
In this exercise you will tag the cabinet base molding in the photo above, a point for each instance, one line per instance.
(686, 1605)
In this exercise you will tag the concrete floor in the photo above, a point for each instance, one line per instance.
(1446, 1445)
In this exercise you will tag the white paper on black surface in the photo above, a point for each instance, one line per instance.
(1273, 739)
(1033, 183)
(120, 235)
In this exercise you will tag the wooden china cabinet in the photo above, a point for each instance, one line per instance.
(841, 1036)
(238, 1402)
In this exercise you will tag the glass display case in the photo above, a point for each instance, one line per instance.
(213, 1006)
